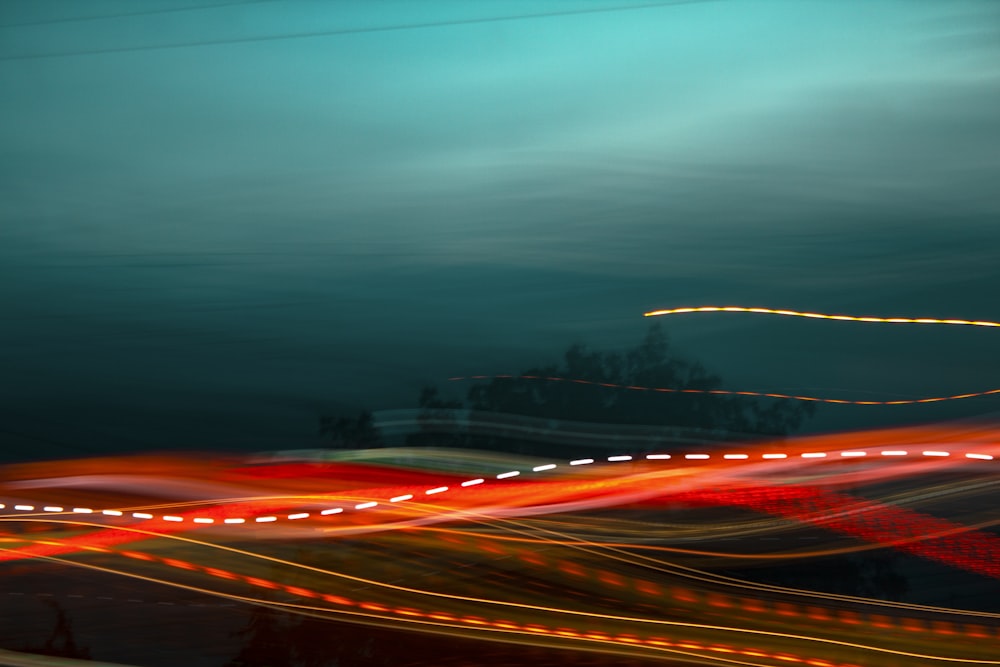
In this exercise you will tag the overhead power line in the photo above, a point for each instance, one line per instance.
(352, 31)
(103, 17)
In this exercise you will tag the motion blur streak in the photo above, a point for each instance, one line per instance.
(663, 558)
(726, 392)
(819, 316)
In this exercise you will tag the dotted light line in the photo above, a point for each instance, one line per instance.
(769, 456)
(818, 316)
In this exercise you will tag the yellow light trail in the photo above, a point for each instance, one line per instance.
(819, 316)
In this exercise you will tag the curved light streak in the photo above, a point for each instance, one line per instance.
(819, 316)
(728, 392)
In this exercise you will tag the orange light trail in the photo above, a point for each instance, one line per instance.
(541, 553)
(726, 392)
(222, 514)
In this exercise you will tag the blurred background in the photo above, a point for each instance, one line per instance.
(222, 221)
(285, 224)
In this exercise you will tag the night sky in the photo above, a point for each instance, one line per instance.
(211, 245)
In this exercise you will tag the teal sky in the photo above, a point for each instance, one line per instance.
(210, 244)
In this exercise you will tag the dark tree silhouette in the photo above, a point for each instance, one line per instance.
(438, 424)
(347, 433)
(651, 363)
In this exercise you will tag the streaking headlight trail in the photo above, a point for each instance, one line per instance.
(658, 555)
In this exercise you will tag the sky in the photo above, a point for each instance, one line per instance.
(220, 221)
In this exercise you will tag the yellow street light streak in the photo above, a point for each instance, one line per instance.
(819, 316)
